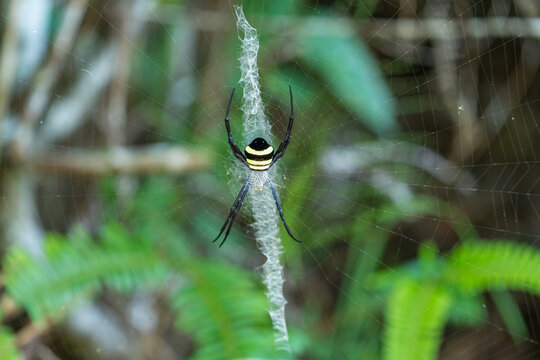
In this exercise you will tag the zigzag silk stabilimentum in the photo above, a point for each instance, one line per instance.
(261, 202)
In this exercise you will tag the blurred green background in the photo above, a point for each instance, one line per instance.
(411, 178)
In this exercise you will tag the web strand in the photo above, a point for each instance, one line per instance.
(265, 220)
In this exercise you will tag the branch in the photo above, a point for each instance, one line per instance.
(445, 29)
(8, 61)
(10, 308)
(68, 114)
(116, 119)
(151, 159)
(30, 333)
(355, 160)
(406, 29)
(48, 76)
(18, 213)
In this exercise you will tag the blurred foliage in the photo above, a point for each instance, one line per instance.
(423, 292)
(223, 309)
(76, 269)
(8, 348)
(414, 318)
(362, 285)
(219, 304)
(359, 86)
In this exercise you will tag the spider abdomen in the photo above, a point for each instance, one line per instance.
(259, 154)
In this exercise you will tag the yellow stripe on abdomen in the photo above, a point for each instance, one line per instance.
(259, 167)
(258, 162)
(252, 151)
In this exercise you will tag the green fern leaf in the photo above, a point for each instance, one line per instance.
(224, 311)
(495, 265)
(75, 270)
(414, 321)
(418, 309)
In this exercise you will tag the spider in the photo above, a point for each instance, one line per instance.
(259, 157)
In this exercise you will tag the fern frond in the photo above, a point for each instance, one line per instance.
(418, 308)
(415, 319)
(225, 312)
(495, 265)
(75, 270)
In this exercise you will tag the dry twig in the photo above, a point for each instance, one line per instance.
(151, 159)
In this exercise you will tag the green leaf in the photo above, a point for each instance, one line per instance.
(225, 312)
(511, 315)
(467, 311)
(449, 289)
(8, 349)
(255, 8)
(415, 318)
(495, 265)
(351, 72)
(75, 270)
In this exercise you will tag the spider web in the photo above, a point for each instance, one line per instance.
(456, 161)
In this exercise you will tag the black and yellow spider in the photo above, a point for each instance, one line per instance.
(259, 157)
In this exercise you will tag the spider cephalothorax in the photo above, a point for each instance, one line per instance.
(258, 156)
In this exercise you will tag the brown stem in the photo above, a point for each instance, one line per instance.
(121, 160)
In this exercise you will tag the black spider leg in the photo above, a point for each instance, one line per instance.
(283, 146)
(280, 210)
(236, 151)
(234, 211)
